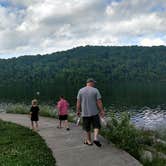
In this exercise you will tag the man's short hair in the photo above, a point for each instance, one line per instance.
(90, 80)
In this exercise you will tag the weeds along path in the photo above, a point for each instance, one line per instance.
(68, 147)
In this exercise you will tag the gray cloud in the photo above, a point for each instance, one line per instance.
(32, 26)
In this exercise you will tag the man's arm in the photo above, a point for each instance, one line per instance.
(100, 106)
(78, 106)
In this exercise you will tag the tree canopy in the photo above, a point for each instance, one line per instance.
(63, 73)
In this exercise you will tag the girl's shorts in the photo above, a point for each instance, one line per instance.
(63, 117)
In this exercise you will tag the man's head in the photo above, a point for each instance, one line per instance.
(61, 97)
(90, 82)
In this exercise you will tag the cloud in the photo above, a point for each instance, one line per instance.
(152, 42)
(33, 26)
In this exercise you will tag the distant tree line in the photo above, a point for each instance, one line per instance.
(63, 73)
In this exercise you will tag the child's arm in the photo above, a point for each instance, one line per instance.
(30, 112)
(58, 107)
(78, 107)
(68, 105)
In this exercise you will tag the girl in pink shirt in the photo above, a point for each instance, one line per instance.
(63, 107)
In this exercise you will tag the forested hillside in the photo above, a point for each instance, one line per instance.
(63, 73)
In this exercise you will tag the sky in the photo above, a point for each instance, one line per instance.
(29, 27)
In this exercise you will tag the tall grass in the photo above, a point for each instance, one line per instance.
(19, 108)
(123, 134)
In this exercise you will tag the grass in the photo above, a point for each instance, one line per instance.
(19, 146)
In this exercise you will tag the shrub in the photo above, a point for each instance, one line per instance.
(17, 108)
(48, 111)
(124, 134)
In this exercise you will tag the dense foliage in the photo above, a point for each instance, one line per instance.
(63, 73)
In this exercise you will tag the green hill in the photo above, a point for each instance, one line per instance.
(63, 73)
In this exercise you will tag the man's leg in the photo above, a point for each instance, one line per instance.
(67, 125)
(96, 126)
(86, 127)
(96, 133)
(88, 137)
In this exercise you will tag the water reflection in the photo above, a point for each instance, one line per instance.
(149, 118)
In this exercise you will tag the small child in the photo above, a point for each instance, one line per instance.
(34, 111)
(63, 106)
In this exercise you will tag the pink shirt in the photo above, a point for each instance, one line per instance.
(63, 106)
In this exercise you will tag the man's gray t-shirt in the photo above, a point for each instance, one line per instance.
(88, 97)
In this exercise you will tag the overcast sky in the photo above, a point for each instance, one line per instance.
(43, 26)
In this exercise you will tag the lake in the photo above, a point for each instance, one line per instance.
(145, 101)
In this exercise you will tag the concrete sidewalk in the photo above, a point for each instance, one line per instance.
(68, 148)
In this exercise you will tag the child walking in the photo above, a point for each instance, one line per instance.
(34, 111)
(63, 106)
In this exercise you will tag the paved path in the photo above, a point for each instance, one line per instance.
(68, 147)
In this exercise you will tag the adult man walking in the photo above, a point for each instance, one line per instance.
(89, 104)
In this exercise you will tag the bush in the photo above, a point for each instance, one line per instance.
(18, 108)
(48, 111)
(124, 134)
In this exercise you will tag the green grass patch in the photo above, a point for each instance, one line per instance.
(19, 146)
